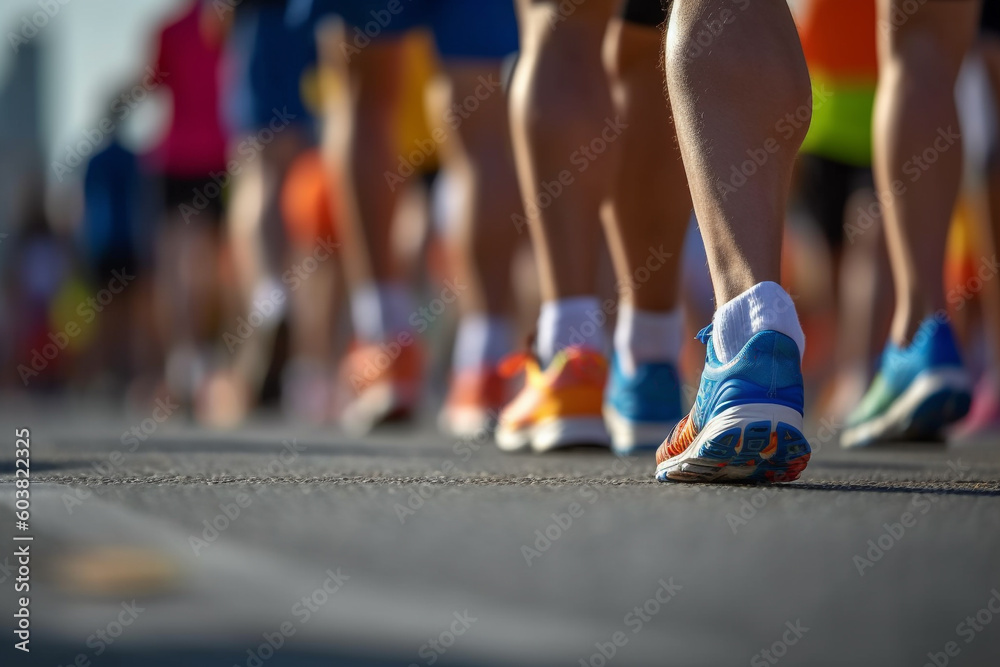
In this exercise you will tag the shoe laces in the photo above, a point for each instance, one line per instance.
(705, 334)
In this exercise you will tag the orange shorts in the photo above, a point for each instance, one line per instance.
(310, 201)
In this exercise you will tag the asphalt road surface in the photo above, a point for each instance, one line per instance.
(276, 545)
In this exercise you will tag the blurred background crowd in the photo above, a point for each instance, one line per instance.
(174, 226)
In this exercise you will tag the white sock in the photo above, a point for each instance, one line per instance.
(380, 311)
(763, 307)
(643, 336)
(270, 299)
(481, 340)
(573, 322)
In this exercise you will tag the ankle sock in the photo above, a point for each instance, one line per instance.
(644, 336)
(573, 322)
(481, 340)
(270, 299)
(763, 307)
(380, 311)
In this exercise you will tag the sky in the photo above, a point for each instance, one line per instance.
(91, 48)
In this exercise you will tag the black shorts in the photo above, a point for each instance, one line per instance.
(646, 12)
(991, 17)
(196, 199)
(825, 187)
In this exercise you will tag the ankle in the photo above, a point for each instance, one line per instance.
(481, 341)
(906, 322)
(764, 307)
(380, 311)
(643, 336)
(572, 322)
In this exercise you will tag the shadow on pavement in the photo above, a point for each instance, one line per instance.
(216, 656)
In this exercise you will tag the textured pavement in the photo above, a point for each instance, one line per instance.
(277, 545)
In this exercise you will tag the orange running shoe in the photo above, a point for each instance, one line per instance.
(385, 380)
(559, 406)
(474, 402)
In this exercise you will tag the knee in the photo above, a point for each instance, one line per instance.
(779, 85)
(564, 52)
(920, 55)
(550, 88)
(376, 84)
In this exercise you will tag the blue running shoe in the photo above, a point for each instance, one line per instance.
(918, 391)
(746, 424)
(640, 410)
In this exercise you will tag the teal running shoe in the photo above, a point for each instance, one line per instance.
(642, 409)
(746, 424)
(918, 391)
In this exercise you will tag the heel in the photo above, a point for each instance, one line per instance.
(629, 437)
(935, 413)
(570, 432)
(752, 443)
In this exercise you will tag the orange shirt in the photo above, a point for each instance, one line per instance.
(838, 38)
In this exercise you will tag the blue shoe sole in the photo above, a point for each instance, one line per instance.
(755, 450)
(920, 414)
(935, 413)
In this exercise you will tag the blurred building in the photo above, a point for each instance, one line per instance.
(21, 153)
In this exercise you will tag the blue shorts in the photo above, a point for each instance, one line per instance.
(268, 60)
(473, 29)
